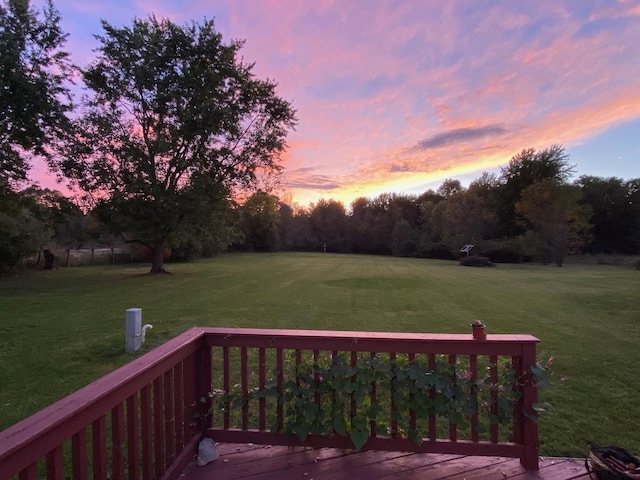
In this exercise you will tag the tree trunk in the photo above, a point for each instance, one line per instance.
(49, 259)
(559, 246)
(559, 255)
(157, 258)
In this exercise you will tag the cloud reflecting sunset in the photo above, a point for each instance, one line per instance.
(395, 96)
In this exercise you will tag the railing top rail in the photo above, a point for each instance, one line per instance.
(72, 413)
(295, 333)
(498, 344)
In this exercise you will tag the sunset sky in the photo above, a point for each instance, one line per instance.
(395, 96)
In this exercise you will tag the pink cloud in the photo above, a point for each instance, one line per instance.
(372, 79)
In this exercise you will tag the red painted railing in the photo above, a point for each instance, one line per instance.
(137, 422)
(133, 423)
(231, 350)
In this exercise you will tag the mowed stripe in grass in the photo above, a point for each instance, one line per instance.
(62, 329)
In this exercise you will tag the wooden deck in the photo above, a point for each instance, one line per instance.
(265, 462)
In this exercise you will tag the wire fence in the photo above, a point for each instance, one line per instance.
(71, 257)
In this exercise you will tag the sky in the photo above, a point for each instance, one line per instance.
(396, 96)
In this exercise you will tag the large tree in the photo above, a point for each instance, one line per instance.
(329, 225)
(34, 98)
(526, 168)
(449, 187)
(259, 222)
(176, 122)
(553, 213)
(466, 219)
(616, 213)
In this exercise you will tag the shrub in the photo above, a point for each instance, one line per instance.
(609, 259)
(437, 251)
(408, 248)
(505, 250)
(504, 254)
(476, 261)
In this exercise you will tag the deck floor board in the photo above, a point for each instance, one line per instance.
(258, 462)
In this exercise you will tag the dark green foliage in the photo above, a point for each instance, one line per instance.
(21, 232)
(503, 254)
(436, 250)
(31, 218)
(387, 224)
(449, 187)
(259, 222)
(551, 212)
(615, 206)
(329, 227)
(476, 261)
(407, 248)
(402, 239)
(33, 97)
(463, 218)
(524, 169)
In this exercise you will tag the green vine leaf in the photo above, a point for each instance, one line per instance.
(301, 431)
(359, 437)
(310, 411)
(339, 425)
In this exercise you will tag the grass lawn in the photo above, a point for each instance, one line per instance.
(63, 329)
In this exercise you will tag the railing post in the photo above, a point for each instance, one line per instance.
(529, 458)
(204, 380)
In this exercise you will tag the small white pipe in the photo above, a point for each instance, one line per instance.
(144, 329)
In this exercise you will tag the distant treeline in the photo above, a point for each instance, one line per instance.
(529, 212)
